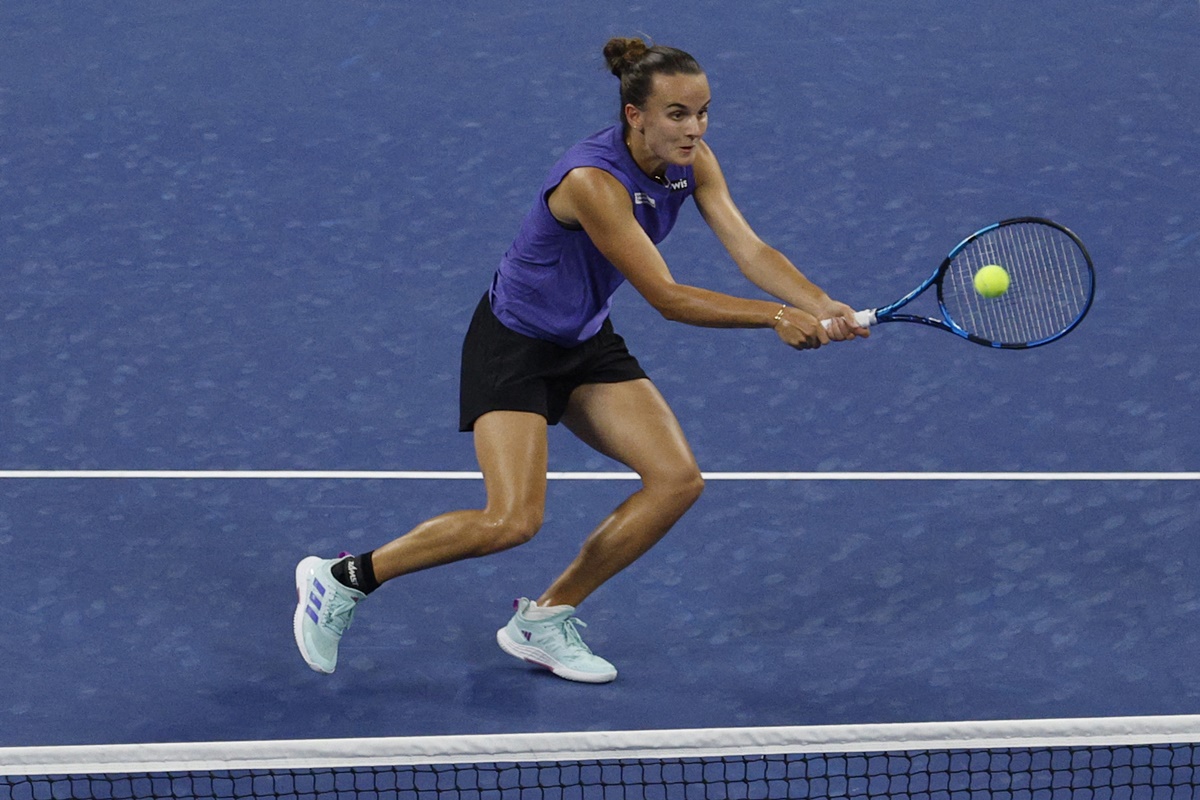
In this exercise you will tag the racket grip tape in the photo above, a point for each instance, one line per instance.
(865, 318)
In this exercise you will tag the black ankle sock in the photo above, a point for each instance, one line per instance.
(356, 572)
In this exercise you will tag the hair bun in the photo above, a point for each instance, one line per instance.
(622, 53)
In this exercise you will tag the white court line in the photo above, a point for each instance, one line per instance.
(359, 475)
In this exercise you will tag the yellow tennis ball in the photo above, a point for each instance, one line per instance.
(991, 281)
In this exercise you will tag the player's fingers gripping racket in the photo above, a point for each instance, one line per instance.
(1016, 284)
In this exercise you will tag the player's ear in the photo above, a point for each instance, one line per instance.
(633, 116)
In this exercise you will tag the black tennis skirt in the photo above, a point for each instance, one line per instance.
(503, 370)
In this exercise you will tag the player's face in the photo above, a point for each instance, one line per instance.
(675, 117)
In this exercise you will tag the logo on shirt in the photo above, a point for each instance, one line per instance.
(682, 183)
(643, 199)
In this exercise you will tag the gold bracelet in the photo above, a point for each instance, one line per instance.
(779, 315)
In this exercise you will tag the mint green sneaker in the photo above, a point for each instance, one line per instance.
(324, 610)
(553, 643)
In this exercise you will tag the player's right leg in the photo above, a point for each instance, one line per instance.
(512, 450)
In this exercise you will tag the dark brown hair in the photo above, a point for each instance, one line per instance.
(636, 64)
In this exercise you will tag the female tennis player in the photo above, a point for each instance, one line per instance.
(541, 349)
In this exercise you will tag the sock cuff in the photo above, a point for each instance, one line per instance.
(356, 572)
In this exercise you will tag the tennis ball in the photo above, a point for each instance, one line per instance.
(991, 281)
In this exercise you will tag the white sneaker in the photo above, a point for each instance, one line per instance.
(324, 610)
(552, 642)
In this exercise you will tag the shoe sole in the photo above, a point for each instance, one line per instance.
(541, 658)
(303, 569)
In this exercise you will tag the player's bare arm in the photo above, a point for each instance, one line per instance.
(601, 205)
(763, 265)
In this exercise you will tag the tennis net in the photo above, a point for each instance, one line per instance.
(1127, 757)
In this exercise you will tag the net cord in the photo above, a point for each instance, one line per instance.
(576, 746)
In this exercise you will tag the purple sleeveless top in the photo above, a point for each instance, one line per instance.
(553, 283)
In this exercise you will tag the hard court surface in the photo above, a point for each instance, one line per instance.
(249, 236)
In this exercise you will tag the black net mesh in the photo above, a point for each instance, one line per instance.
(1145, 772)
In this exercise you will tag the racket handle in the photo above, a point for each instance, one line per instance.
(865, 318)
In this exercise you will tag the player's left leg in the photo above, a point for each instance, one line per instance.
(631, 423)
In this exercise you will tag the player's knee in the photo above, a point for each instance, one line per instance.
(514, 528)
(684, 484)
(692, 486)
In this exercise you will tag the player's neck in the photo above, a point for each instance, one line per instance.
(654, 167)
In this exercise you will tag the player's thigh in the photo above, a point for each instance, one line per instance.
(511, 447)
(632, 423)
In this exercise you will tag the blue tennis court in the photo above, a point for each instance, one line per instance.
(248, 238)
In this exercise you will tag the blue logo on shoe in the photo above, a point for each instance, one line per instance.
(314, 602)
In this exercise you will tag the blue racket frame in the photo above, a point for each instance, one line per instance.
(888, 313)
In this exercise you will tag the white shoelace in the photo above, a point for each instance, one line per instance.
(572, 636)
(338, 613)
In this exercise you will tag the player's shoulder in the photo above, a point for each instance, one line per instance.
(589, 160)
(706, 167)
(594, 183)
(589, 192)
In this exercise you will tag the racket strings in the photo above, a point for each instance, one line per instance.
(1050, 284)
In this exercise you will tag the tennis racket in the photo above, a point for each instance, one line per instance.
(1051, 286)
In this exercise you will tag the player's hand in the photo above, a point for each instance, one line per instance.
(801, 330)
(842, 325)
